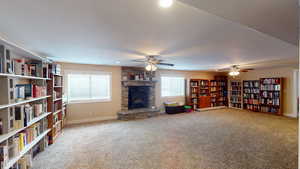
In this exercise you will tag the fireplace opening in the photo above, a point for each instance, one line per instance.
(138, 97)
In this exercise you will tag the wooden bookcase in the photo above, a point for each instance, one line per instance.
(199, 93)
(194, 93)
(271, 95)
(204, 93)
(55, 89)
(235, 93)
(23, 104)
(251, 95)
(218, 91)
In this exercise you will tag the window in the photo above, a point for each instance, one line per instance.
(84, 87)
(172, 86)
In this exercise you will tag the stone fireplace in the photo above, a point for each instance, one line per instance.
(138, 95)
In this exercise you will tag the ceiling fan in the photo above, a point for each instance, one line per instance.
(152, 62)
(234, 70)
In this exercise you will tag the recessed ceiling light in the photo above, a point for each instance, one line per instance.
(166, 3)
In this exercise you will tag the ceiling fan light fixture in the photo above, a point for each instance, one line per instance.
(166, 3)
(151, 67)
(234, 73)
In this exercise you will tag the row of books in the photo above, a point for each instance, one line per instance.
(269, 109)
(194, 90)
(24, 163)
(235, 88)
(237, 105)
(251, 90)
(20, 116)
(252, 107)
(193, 95)
(266, 94)
(273, 102)
(18, 142)
(204, 83)
(251, 101)
(271, 81)
(28, 91)
(56, 69)
(251, 84)
(17, 66)
(270, 87)
(235, 100)
(26, 113)
(251, 96)
(217, 83)
(57, 81)
(213, 89)
(236, 93)
(194, 84)
(237, 84)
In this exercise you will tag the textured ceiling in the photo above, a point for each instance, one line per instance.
(278, 18)
(104, 32)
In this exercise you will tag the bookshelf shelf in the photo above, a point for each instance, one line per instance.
(10, 134)
(57, 112)
(26, 149)
(23, 102)
(58, 99)
(23, 77)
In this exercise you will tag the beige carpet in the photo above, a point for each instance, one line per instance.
(220, 139)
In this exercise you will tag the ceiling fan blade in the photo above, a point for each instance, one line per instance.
(223, 70)
(139, 60)
(246, 70)
(166, 64)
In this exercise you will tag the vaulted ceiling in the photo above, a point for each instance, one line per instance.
(194, 35)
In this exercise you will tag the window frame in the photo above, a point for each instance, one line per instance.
(89, 100)
(170, 76)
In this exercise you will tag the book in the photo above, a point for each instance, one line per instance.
(4, 155)
(38, 110)
(2, 59)
(19, 116)
(19, 66)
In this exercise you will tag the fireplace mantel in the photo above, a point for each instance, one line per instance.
(126, 83)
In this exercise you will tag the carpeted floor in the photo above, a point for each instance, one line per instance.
(219, 139)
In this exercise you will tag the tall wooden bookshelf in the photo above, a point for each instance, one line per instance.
(235, 93)
(55, 89)
(23, 105)
(218, 91)
(204, 93)
(194, 93)
(271, 95)
(199, 93)
(251, 95)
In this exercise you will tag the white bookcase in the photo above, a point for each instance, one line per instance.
(23, 103)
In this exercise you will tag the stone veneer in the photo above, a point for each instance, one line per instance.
(126, 114)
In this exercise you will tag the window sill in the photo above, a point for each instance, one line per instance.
(89, 101)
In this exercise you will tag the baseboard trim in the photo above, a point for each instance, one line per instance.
(291, 115)
(211, 108)
(98, 119)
